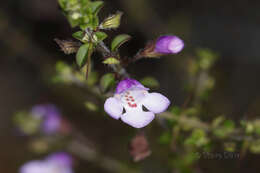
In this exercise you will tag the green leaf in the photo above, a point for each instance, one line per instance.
(225, 129)
(100, 36)
(27, 123)
(112, 22)
(92, 78)
(107, 81)
(95, 22)
(91, 106)
(217, 121)
(230, 146)
(255, 146)
(62, 3)
(96, 6)
(150, 82)
(206, 58)
(197, 138)
(78, 35)
(119, 40)
(176, 110)
(165, 138)
(111, 60)
(82, 54)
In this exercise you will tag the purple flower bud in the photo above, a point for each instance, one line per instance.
(132, 96)
(169, 44)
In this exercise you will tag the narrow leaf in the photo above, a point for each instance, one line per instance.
(111, 60)
(119, 40)
(150, 82)
(107, 81)
(78, 35)
(100, 36)
(96, 6)
(112, 22)
(91, 106)
(82, 55)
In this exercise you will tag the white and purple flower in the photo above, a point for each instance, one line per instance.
(50, 116)
(130, 100)
(169, 44)
(55, 163)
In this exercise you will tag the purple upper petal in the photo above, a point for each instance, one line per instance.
(113, 107)
(156, 102)
(127, 84)
(169, 44)
(137, 118)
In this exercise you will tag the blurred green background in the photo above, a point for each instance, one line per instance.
(28, 56)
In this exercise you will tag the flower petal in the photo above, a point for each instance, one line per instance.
(51, 123)
(33, 167)
(127, 84)
(113, 107)
(53, 167)
(137, 118)
(156, 102)
(61, 158)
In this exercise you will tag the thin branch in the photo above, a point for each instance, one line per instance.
(104, 50)
(89, 154)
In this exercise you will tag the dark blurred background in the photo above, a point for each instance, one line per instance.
(28, 56)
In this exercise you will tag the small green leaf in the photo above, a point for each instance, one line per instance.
(106, 81)
(206, 58)
(176, 110)
(230, 146)
(95, 22)
(217, 121)
(225, 129)
(27, 123)
(119, 40)
(96, 6)
(165, 138)
(78, 35)
(91, 106)
(62, 3)
(92, 78)
(112, 22)
(255, 146)
(197, 138)
(111, 60)
(82, 55)
(100, 36)
(73, 22)
(150, 82)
